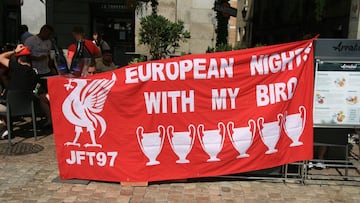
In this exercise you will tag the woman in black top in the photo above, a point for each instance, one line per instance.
(22, 75)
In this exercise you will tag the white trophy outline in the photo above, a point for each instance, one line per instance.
(295, 134)
(270, 143)
(178, 148)
(209, 135)
(151, 154)
(240, 145)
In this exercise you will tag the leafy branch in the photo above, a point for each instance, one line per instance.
(161, 35)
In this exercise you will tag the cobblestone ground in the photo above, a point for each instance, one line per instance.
(29, 178)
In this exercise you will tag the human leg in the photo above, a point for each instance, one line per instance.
(45, 108)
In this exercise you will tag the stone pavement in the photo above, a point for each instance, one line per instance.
(29, 178)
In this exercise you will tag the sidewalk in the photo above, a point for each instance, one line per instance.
(28, 178)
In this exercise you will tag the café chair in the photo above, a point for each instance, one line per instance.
(19, 103)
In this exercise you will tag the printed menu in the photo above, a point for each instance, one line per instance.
(337, 94)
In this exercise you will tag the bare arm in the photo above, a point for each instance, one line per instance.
(5, 57)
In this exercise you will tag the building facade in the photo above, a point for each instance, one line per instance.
(257, 22)
(273, 22)
(10, 18)
(119, 22)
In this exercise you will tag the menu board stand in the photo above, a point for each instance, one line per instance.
(337, 83)
(336, 90)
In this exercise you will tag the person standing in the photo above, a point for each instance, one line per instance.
(24, 33)
(100, 42)
(40, 46)
(91, 50)
(87, 48)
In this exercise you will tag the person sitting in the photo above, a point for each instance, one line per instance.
(4, 75)
(22, 75)
(91, 70)
(106, 62)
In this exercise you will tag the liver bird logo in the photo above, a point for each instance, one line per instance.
(83, 105)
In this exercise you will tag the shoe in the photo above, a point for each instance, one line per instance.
(4, 134)
(320, 166)
(310, 165)
(6, 137)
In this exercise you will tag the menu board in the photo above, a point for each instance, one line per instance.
(337, 94)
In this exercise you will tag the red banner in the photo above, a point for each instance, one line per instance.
(192, 116)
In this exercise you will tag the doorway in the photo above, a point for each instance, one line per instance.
(116, 24)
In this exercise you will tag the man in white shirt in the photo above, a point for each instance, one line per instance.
(40, 46)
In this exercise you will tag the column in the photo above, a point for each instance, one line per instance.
(354, 20)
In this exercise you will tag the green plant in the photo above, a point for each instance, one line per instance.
(183, 53)
(210, 49)
(239, 46)
(142, 58)
(222, 24)
(161, 35)
(259, 45)
(223, 47)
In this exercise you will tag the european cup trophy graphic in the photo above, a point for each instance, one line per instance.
(242, 137)
(181, 142)
(151, 143)
(270, 133)
(212, 141)
(294, 126)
